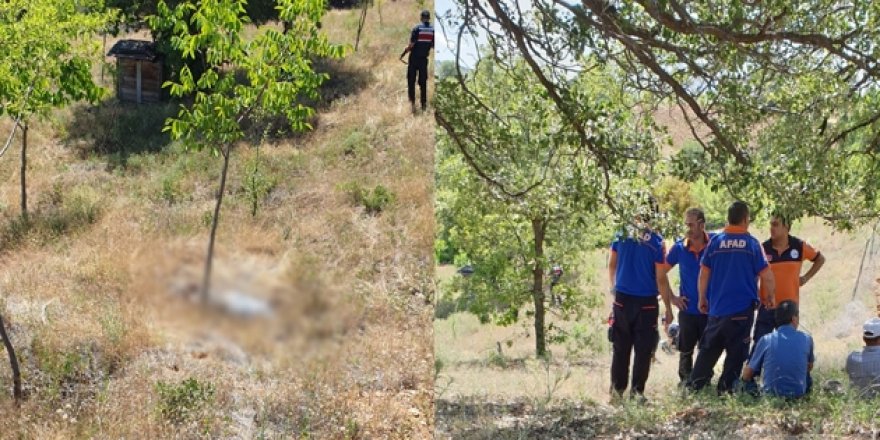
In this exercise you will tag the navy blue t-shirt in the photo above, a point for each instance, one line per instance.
(422, 39)
(735, 259)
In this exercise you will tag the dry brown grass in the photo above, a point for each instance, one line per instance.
(103, 311)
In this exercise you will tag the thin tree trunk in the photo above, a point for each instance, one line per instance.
(379, 10)
(13, 361)
(538, 229)
(24, 133)
(104, 51)
(361, 22)
(206, 282)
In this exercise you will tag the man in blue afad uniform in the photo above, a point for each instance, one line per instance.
(636, 261)
(421, 41)
(686, 254)
(728, 290)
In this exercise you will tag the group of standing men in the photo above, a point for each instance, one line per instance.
(719, 295)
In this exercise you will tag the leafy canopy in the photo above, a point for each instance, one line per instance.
(781, 96)
(516, 193)
(273, 71)
(48, 51)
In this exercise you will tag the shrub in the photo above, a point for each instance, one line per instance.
(374, 202)
(257, 184)
(180, 402)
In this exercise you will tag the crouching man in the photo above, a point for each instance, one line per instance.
(783, 358)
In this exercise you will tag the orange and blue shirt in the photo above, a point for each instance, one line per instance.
(687, 256)
(786, 267)
(735, 259)
(637, 261)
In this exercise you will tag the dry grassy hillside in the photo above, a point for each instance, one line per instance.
(98, 291)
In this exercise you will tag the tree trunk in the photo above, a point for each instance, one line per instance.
(365, 5)
(13, 361)
(206, 282)
(538, 228)
(24, 210)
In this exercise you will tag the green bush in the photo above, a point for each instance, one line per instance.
(354, 144)
(69, 211)
(257, 183)
(57, 212)
(497, 359)
(170, 189)
(445, 307)
(180, 402)
(374, 202)
(714, 203)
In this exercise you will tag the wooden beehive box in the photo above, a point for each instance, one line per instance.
(139, 71)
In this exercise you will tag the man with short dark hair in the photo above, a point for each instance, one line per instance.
(786, 254)
(686, 253)
(421, 41)
(728, 291)
(863, 367)
(784, 357)
(633, 269)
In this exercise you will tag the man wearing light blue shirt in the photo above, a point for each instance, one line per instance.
(784, 358)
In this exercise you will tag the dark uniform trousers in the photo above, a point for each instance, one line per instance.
(765, 323)
(634, 332)
(691, 329)
(730, 334)
(417, 68)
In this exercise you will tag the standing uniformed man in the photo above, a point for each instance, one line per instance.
(786, 254)
(728, 292)
(421, 41)
(687, 254)
(633, 269)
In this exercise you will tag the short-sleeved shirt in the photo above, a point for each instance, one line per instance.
(782, 358)
(735, 259)
(637, 261)
(687, 256)
(786, 267)
(863, 369)
(422, 39)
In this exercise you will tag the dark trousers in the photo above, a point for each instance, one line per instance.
(418, 68)
(764, 324)
(691, 328)
(730, 334)
(634, 333)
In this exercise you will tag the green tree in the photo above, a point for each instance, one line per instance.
(46, 63)
(47, 59)
(514, 191)
(782, 97)
(277, 66)
(132, 13)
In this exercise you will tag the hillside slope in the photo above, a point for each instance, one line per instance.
(99, 290)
